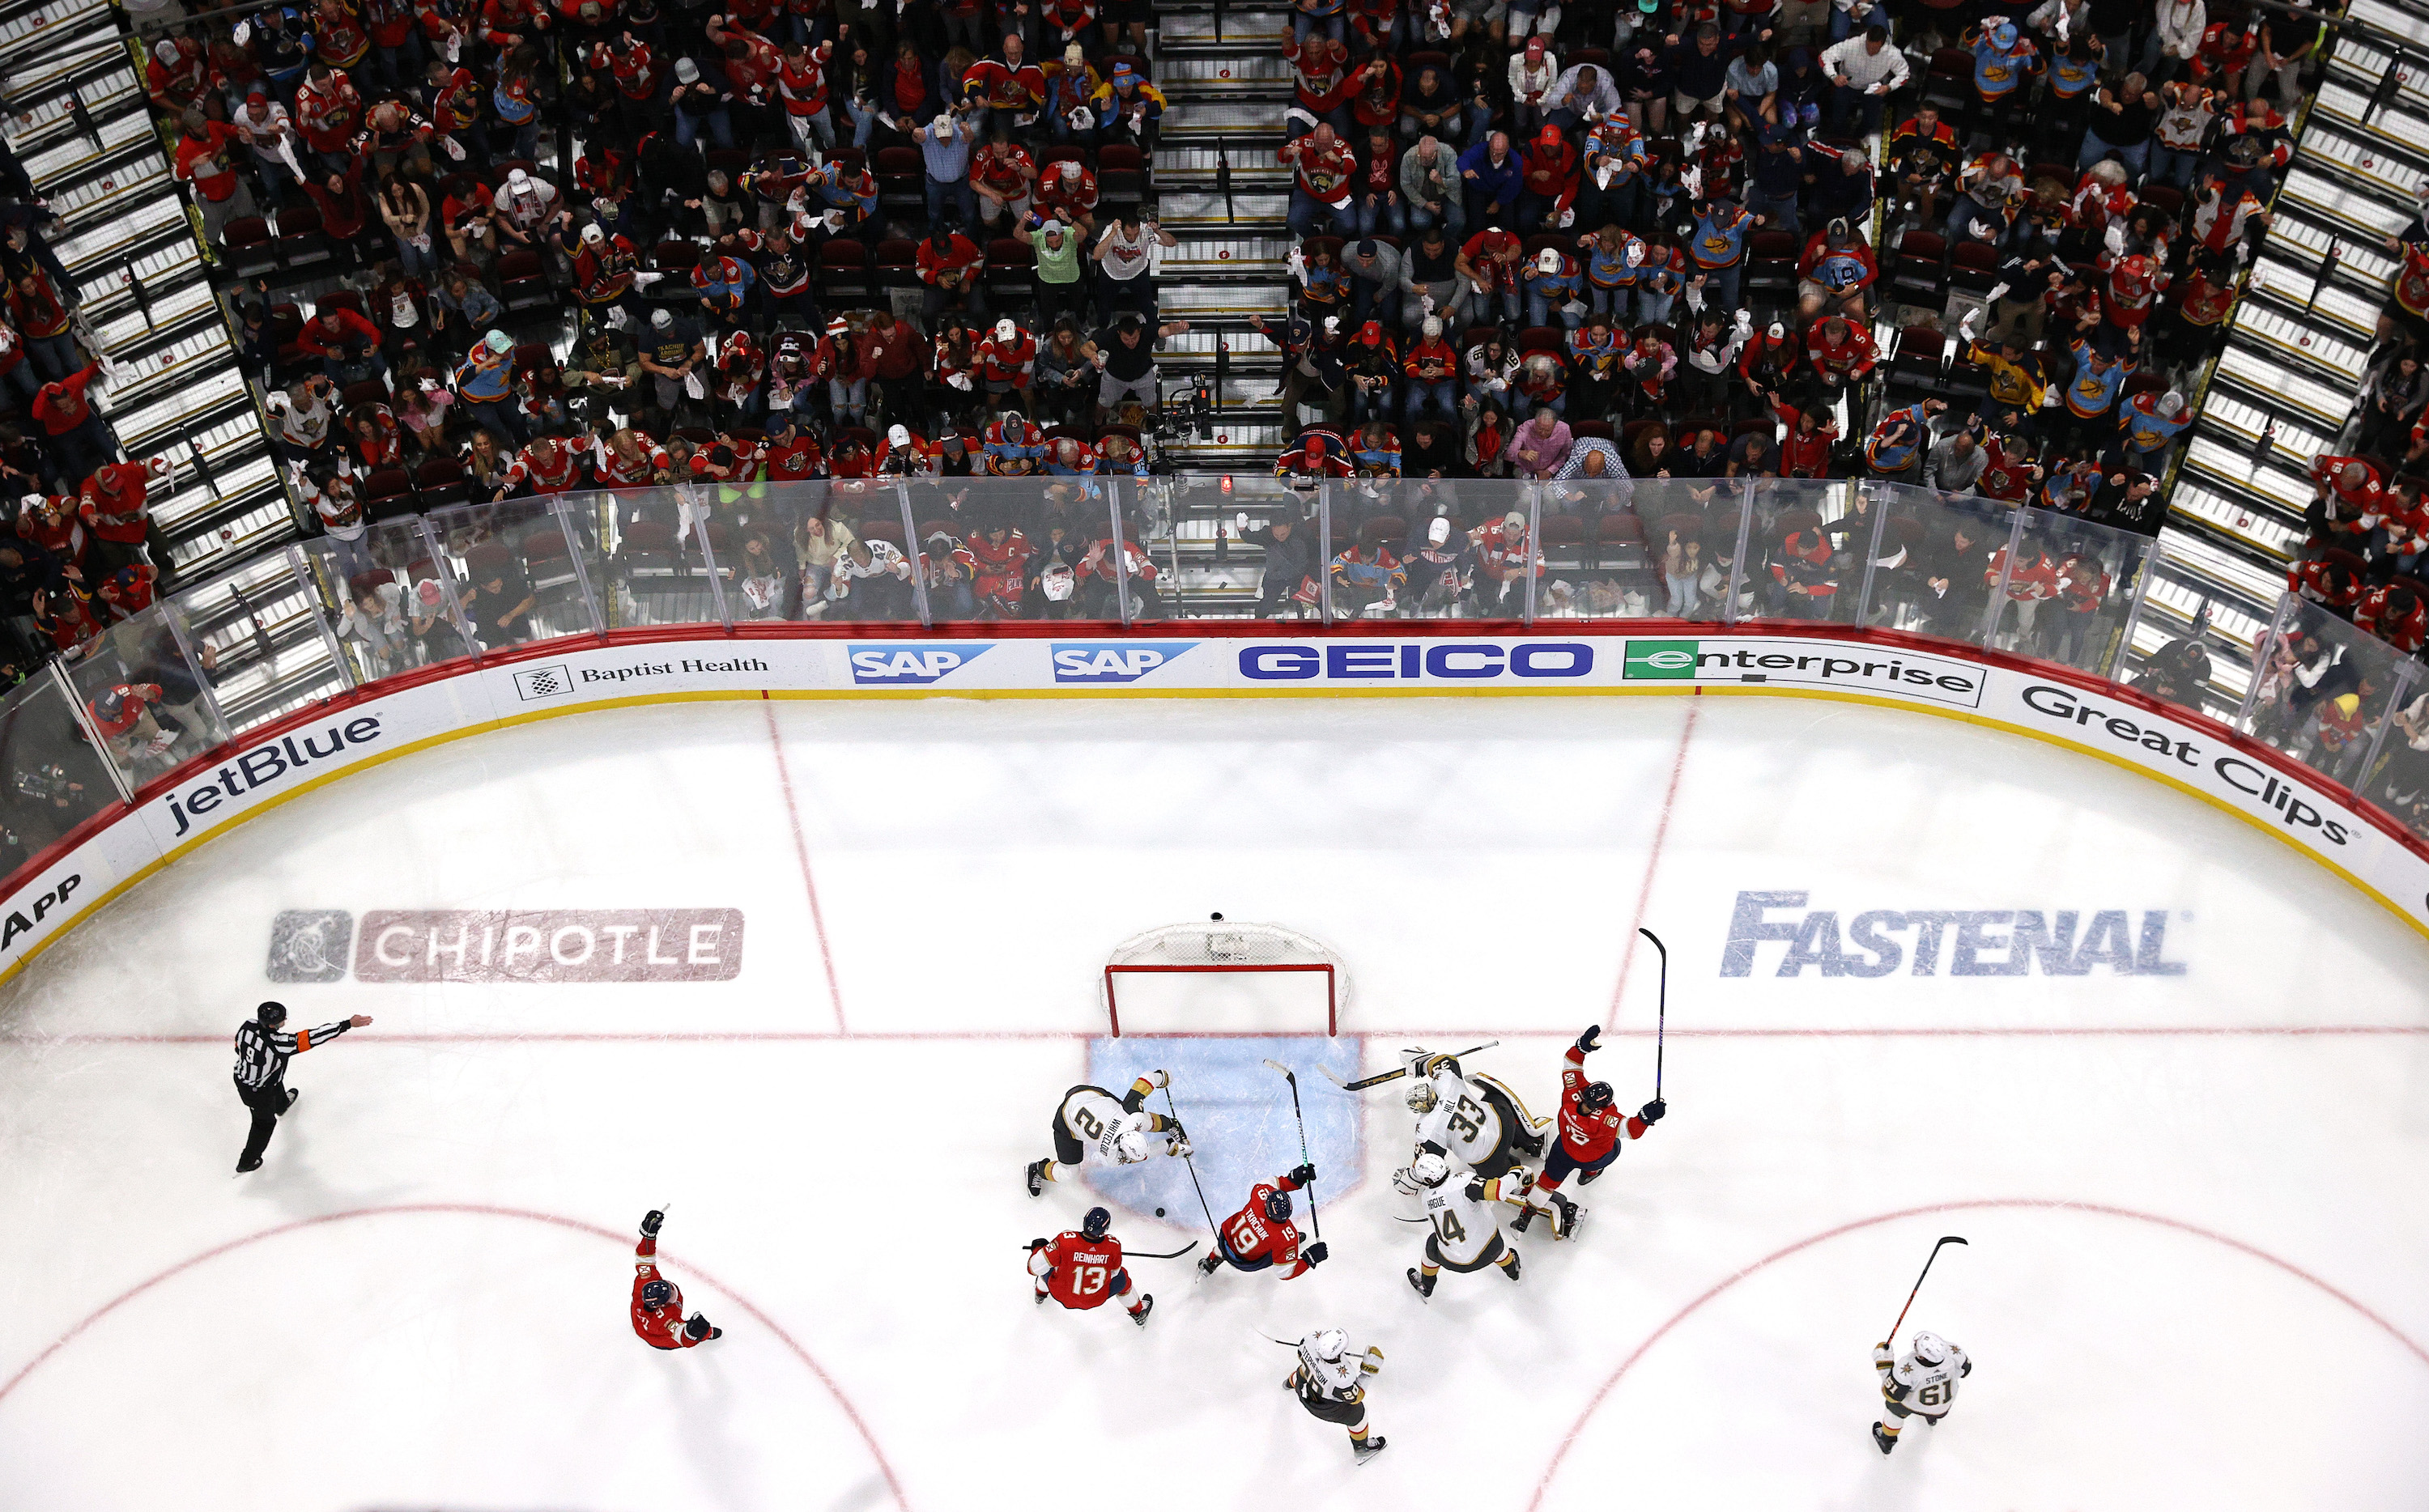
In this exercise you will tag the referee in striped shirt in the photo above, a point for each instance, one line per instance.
(262, 1049)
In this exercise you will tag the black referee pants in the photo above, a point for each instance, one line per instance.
(267, 1102)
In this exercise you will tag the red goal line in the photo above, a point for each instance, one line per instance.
(1331, 987)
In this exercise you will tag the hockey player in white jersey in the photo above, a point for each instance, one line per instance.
(1474, 1120)
(1923, 1385)
(1464, 1212)
(1331, 1383)
(1093, 1124)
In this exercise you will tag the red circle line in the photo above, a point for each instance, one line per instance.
(483, 1210)
(1569, 1441)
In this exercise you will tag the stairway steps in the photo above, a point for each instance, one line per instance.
(1245, 33)
(2400, 21)
(1206, 214)
(2380, 170)
(2303, 349)
(1227, 257)
(1252, 168)
(2393, 130)
(2336, 309)
(2363, 263)
(30, 32)
(2316, 403)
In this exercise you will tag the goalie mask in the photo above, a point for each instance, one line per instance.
(1421, 1097)
(1930, 1349)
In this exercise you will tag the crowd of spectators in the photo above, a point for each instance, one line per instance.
(797, 240)
(1979, 246)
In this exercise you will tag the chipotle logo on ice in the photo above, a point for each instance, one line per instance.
(549, 945)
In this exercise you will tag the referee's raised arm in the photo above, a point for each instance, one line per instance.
(263, 1047)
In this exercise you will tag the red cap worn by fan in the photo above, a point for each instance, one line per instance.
(1316, 446)
(1371, 332)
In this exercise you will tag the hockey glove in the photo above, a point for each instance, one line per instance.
(1162, 1078)
(1036, 1244)
(1317, 1252)
(1882, 1358)
(697, 1328)
(1302, 1175)
(1182, 1148)
(651, 1222)
(1651, 1112)
(1588, 1041)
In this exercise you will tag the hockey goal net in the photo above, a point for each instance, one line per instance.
(1223, 977)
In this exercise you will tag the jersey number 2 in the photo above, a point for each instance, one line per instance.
(1090, 1125)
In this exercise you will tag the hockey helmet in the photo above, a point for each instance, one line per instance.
(1096, 1225)
(1429, 1170)
(1130, 1146)
(1930, 1348)
(1595, 1097)
(656, 1294)
(1326, 1343)
(1278, 1206)
(271, 1016)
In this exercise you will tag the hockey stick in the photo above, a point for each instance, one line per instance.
(1146, 1255)
(1288, 1076)
(1187, 1161)
(1945, 1240)
(1661, 1013)
(1365, 1082)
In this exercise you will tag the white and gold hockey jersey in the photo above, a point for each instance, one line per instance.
(1097, 1119)
(1467, 1224)
(1341, 1378)
(1925, 1390)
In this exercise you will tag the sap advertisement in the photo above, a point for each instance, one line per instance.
(317, 746)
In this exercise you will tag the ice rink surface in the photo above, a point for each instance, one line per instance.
(2191, 1170)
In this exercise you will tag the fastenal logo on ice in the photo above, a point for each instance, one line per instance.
(1975, 942)
(1118, 661)
(911, 664)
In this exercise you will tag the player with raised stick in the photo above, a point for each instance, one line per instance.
(1331, 1385)
(1923, 1385)
(1590, 1128)
(1082, 1269)
(1260, 1235)
(658, 1303)
(1466, 1231)
(1117, 1130)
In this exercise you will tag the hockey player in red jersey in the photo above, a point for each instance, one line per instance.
(1589, 1136)
(1260, 1235)
(658, 1303)
(1082, 1268)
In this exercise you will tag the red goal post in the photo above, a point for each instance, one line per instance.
(1248, 976)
